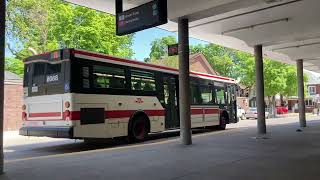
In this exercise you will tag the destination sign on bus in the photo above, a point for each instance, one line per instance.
(145, 16)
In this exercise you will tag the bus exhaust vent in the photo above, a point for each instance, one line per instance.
(92, 116)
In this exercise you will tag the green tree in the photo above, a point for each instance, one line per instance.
(159, 47)
(245, 68)
(220, 58)
(46, 25)
(170, 61)
(14, 65)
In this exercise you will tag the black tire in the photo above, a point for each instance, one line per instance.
(138, 130)
(223, 122)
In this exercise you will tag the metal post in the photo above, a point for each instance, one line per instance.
(119, 6)
(184, 82)
(261, 121)
(302, 108)
(2, 58)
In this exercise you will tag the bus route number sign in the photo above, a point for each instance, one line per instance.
(145, 16)
(173, 50)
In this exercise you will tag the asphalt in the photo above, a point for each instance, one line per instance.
(232, 154)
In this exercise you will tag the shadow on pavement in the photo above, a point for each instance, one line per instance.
(72, 146)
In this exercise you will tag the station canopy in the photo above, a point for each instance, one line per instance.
(287, 29)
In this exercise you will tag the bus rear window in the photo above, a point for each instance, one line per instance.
(38, 73)
(53, 68)
(38, 69)
(27, 70)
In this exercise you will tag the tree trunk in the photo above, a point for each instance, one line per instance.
(274, 111)
(281, 100)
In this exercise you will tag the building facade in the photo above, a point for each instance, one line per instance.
(13, 94)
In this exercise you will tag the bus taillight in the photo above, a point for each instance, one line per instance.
(67, 114)
(24, 116)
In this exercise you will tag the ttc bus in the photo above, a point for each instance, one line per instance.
(79, 94)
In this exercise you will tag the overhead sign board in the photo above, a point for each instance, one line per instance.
(173, 50)
(145, 16)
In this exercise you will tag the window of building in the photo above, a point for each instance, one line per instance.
(142, 81)
(312, 90)
(309, 102)
(108, 77)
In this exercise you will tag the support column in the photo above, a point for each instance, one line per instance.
(184, 82)
(261, 121)
(302, 108)
(2, 55)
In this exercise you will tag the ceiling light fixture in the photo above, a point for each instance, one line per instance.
(297, 46)
(255, 25)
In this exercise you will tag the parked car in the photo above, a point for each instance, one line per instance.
(282, 110)
(252, 113)
(241, 113)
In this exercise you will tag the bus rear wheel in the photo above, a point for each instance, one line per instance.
(223, 122)
(139, 129)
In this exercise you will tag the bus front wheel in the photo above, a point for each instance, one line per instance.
(139, 130)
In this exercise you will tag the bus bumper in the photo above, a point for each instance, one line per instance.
(55, 132)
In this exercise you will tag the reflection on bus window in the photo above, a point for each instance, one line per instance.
(220, 96)
(142, 81)
(53, 68)
(206, 95)
(195, 94)
(108, 77)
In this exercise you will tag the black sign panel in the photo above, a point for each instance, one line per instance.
(142, 17)
(173, 50)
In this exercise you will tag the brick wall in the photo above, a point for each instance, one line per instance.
(13, 94)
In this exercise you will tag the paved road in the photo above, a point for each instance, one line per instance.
(18, 147)
(224, 155)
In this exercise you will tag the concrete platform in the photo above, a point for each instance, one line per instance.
(231, 154)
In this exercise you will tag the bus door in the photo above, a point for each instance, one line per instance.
(231, 103)
(170, 102)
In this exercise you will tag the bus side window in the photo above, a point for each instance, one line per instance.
(220, 96)
(142, 81)
(206, 95)
(195, 94)
(108, 77)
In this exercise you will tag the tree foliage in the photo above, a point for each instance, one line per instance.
(46, 25)
(218, 57)
(279, 78)
(159, 47)
(14, 65)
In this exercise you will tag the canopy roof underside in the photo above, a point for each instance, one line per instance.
(287, 29)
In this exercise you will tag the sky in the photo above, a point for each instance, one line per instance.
(142, 40)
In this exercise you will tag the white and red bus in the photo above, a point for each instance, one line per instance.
(78, 94)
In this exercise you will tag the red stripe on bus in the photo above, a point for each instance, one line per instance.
(212, 111)
(196, 111)
(47, 114)
(145, 64)
(204, 111)
(75, 115)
